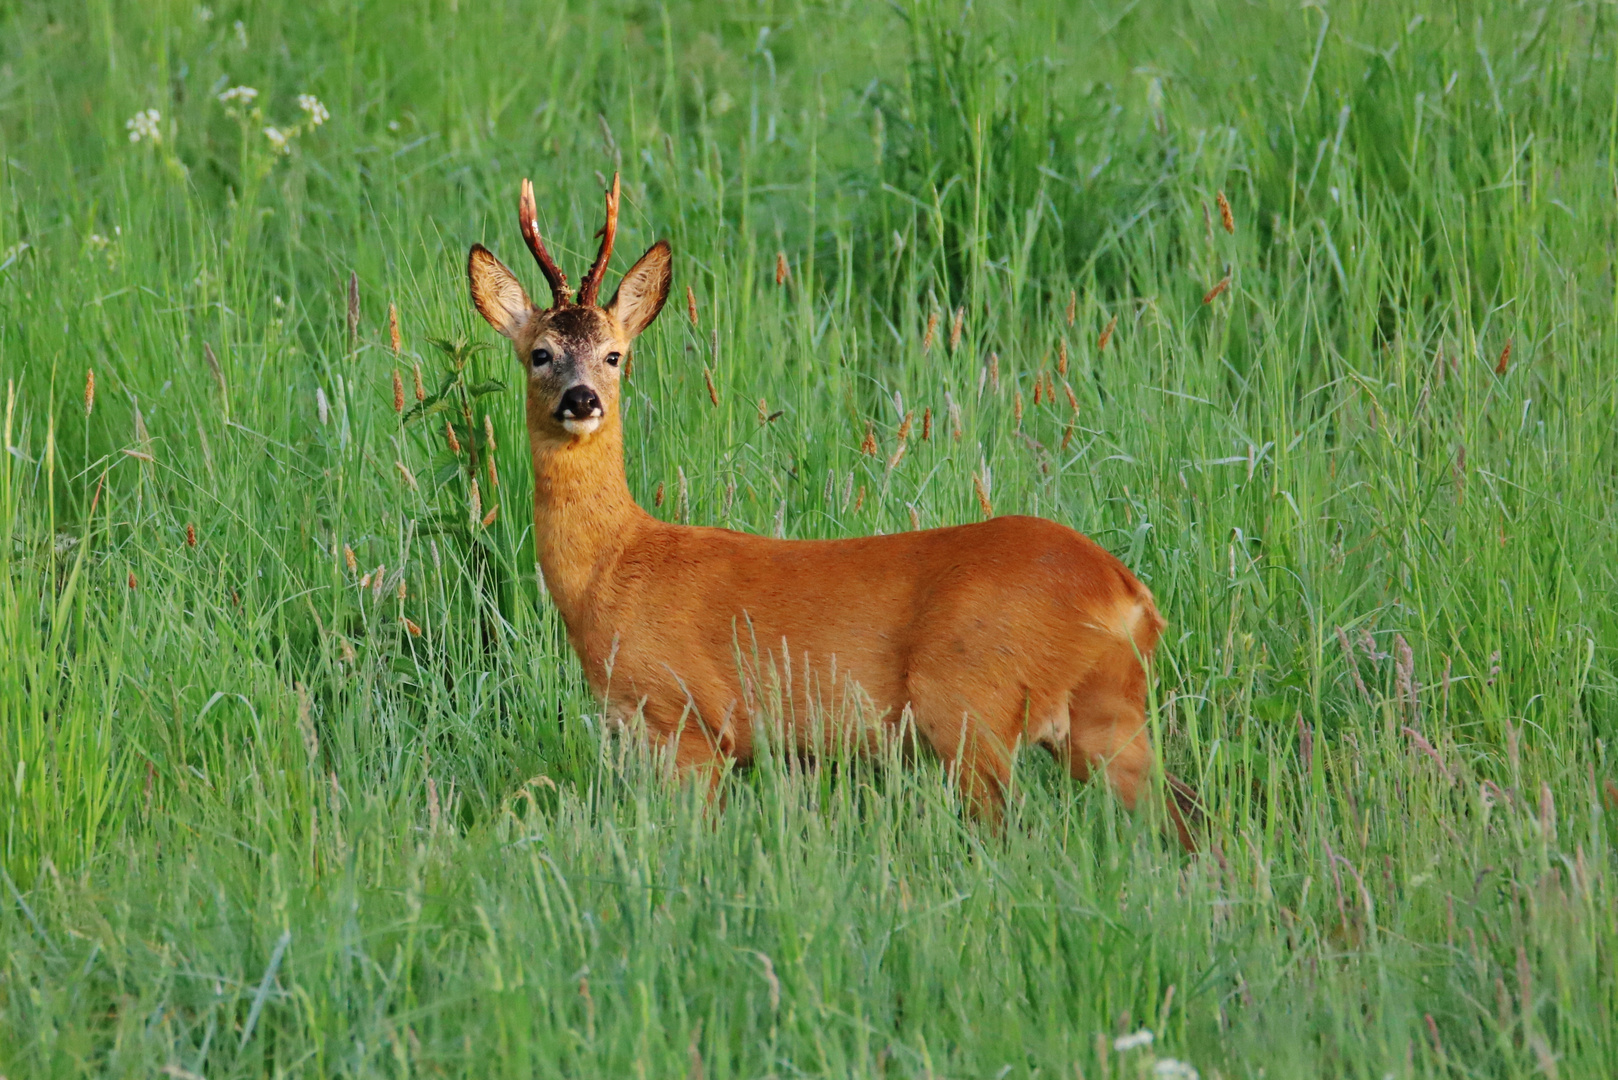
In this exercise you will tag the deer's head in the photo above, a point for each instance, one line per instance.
(573, 350)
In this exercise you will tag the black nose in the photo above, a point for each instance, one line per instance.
(578, 403)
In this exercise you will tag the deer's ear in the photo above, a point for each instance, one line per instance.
(496, 292)
(641, 294)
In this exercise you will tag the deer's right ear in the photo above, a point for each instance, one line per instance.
(499, 297)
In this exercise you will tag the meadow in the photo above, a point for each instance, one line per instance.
(1300, 310)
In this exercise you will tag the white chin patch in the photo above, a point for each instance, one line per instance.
(581, 427)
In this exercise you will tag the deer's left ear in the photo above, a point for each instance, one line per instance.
(496, 292)
(641, 294)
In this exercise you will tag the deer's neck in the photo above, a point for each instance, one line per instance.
(584, 515)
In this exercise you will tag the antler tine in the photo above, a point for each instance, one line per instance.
(528, 215)
(598, 270)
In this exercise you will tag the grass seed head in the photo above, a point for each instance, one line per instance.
(1106, 334)
(1504, 363)
(132, 583)
(488, 432)
(89, 391)
(393, 328)
(348, 558)
(1072, 305)
(190, 534)
(905, 425)
(1218, 290)
(915, 517)
(489, 518)
(409, 477)
(982, 491)
(713, 393)
(781, 268)
(322, 406)
(1072, 398)
(415, 372)
(994, 371)
(494, 477)
(1225, 217)
(353, 308)
(213, 366)
(927, 423)
(476, 502)
(657, 496)
(955, 328)
(398, 392)
(691, 306)
(449, 437)
(868, 444)
(410, 625)
(930, 333)
(1061, 358)
(1017, 410)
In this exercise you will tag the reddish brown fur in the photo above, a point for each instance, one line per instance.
(1010, 631)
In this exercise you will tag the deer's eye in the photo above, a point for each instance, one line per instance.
(613, 358)
(541, 357)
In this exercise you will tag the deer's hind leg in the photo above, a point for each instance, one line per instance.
(1108, 731)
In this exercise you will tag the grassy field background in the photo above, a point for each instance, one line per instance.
(1360, 443)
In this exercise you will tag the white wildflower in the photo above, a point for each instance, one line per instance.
(144, 125)
(1125, 1043)
(1169, 1069)
(243, 94)
(317, 112)
(278, 140)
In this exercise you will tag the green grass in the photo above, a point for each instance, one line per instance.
(251, 826)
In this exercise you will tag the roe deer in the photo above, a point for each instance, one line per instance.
(1012, 630)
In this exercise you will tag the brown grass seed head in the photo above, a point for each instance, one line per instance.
(398, 392)
(868, 445)
(89, 391)
(415, 372)
(1072, 305)
(393, 328)
(190, 534)
(713, 394)
(353, 307)
(691, 306)
(449, 436)
(931, 332)
(1225, 217)
(926, 423)
(1106, 334)
(955, 329)
(1504, 363)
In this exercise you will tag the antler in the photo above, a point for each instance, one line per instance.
(592, 278)
(561, 293)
